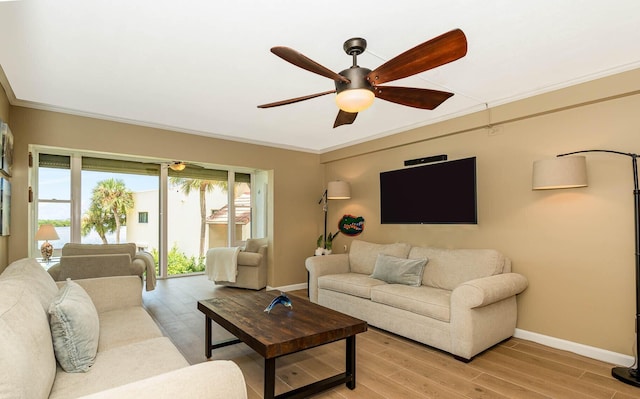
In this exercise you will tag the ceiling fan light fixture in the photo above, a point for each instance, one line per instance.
(355, 100)
(177, 166)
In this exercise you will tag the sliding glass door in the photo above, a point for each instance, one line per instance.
(176, 215)
(119, 199)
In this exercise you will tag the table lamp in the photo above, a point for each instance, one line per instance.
(46, 232)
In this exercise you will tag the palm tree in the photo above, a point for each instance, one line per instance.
(187, 185)
(112, 198)
(96, 219)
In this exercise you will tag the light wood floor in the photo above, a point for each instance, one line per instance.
(389, 366)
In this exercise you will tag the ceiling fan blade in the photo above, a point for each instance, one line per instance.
(412, 97)
(433, 53)
(300, 60)
(295, 100)
(344, 118)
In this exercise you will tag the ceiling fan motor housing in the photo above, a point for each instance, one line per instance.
(357, 77)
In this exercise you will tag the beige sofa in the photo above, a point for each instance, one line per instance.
(464, 301)
(79, 261)
(133, 358)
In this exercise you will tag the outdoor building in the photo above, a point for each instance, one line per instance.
(218, 222)
(183, 219)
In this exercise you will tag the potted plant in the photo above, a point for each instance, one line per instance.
(324, 247)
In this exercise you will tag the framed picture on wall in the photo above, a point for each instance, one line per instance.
(5, 206)
(7, 148)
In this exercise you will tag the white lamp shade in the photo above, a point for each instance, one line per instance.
(354, 100)
(338, 190)
(560, 172)
(47, 232)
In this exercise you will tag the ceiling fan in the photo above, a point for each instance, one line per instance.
(357, 87)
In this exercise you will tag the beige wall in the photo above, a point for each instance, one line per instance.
(4, 241)
(575, 246)
(296, 184)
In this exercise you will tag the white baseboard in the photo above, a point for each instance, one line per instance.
(557, 343)
(287, 288)
(584, 350)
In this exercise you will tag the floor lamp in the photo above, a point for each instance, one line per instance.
(569, 172)
(335, 190)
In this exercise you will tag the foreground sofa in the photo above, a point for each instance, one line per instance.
(462, 301)
(79, 261)
(134, 359)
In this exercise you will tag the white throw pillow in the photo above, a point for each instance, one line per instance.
(363, 254)
(395, 270)
(75, 328)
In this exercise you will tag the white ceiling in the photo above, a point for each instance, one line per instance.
(202, 66)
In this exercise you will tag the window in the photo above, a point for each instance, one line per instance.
(175, 215)
(54, 198)
(143, 217)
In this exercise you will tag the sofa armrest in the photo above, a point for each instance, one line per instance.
(110, 293)
(318, 266)
(212, 380)
(148, 264)
(488, 290)
(54, 272)
(249, 259)
(484, 312)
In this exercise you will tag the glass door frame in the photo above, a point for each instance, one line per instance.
(76, 194)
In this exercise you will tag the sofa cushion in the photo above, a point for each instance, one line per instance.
(119, 366)
(423, 300)
(394, 270)
(99, 249)
(75, 328)
(349, 283)
(27, 272)
(27, 362)
(448, 268)
(124, 326)
(254, 244)
(79, 267)
(363, 255)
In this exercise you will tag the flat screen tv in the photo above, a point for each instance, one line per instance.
(440, 193)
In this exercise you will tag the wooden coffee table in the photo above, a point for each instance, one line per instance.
(282, 332)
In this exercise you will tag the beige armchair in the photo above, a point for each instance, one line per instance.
(81, 261)
(251, 266)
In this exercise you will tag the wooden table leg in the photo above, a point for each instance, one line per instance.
(351, 361)
(269, 378)
(207, 336)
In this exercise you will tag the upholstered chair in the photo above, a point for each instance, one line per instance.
(251, 265)
(80, 261)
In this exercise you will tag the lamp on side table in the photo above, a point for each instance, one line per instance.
(46, 232)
